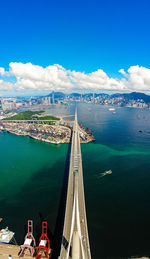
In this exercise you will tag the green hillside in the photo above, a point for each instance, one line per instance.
(31, 115)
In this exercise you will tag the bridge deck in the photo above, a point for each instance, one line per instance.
(75, 215)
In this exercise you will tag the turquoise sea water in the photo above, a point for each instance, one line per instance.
(118, 205)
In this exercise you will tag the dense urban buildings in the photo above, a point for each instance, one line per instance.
(135, 100)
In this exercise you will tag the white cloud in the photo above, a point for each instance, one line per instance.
(139, 78)
(36, 77)
(123, 72)
(2, 71)
(97, 80)
(5, 86)
(55, 77)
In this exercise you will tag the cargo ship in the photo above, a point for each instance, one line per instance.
(6, 236)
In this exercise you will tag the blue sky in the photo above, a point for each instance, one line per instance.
(78, 35)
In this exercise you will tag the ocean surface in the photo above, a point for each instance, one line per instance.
(33, 176)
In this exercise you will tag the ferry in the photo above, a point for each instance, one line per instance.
(6, 236)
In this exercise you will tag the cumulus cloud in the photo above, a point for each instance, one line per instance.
(2, 71)
(97, 80)
(57, 78)
(36, 77)
(5, 86)
(123, 72)
(139, 78)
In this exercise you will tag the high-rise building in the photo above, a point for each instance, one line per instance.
(47, 100)
(93, 97)
(53, 97)
(8, 104)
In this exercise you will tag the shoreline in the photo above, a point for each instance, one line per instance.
(13, 250)
(53, 134)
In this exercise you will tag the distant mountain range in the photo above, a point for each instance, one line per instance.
(133, 96)
(129, 96)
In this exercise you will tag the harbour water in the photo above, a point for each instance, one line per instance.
(118, 205)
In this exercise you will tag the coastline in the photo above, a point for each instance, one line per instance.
(13, 250)
(54, 134)
(9, 249)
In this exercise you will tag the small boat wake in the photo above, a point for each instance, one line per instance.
(100, 175)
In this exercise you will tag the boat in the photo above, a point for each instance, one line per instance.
(51, 141)
(2, 130)
(34, 137)
(108, 172)
(111, 109)
(6, 236)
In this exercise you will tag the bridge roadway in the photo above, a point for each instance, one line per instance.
(75, 240)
